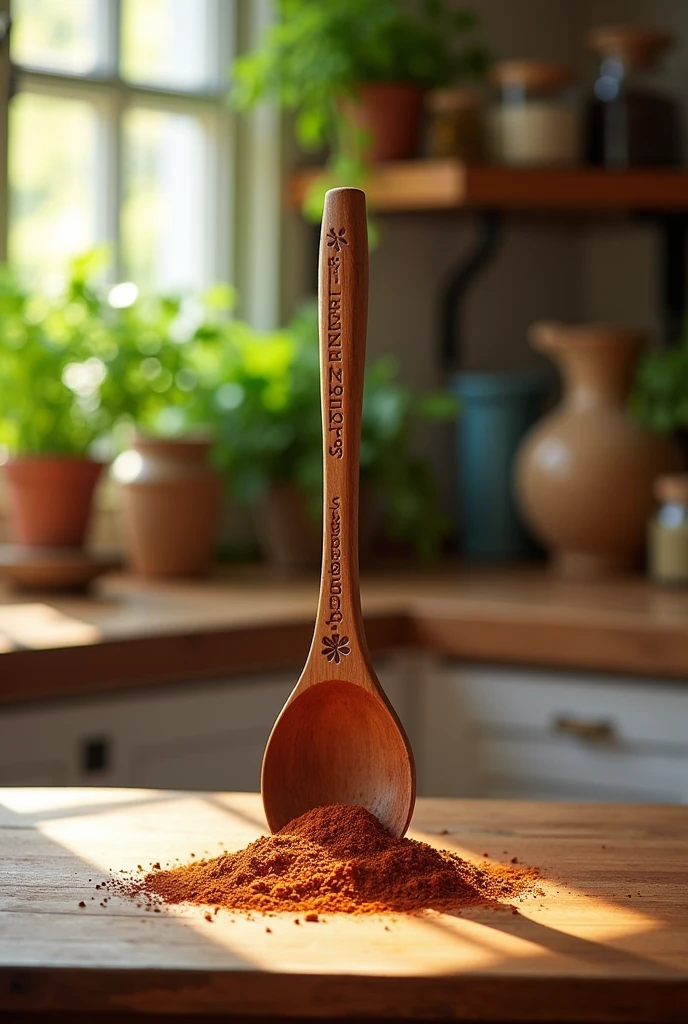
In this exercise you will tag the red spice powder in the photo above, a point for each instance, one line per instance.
(335, 859)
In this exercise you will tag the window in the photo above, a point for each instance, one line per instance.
(119, 131)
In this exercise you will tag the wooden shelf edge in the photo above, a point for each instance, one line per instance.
(418, 185)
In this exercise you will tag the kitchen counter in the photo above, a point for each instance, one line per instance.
(132, 633)
(606, 938)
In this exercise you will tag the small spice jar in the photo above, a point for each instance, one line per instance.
(668, 532)
(535, 121)
(454, 125)
(629, 122)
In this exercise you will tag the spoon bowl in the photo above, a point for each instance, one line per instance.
(338, 739)
(337, 743)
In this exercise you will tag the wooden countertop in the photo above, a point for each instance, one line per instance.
(133, 632)
(608, 940)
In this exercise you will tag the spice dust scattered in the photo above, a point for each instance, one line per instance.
(335, 859)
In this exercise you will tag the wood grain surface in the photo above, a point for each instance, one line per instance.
(131, 633)
(450, 184)
(606, 941)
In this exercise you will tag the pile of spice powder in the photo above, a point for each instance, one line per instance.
(335, 859)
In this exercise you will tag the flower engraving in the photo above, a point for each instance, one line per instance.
(335, 647)
(337, 239)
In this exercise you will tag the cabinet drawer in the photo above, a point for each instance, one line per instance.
(571, 771)
(497, 732)
(633, 712)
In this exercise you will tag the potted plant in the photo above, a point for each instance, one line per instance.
(267, 412)
(355, 73)
(162, 367)
(51, 375)
(659, 396)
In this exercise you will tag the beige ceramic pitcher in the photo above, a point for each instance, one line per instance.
(584, 473)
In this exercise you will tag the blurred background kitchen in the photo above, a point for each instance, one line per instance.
(524, 506)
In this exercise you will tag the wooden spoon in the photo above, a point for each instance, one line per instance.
(338, 739)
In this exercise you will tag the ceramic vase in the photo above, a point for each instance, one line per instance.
(49, 499)
(496, 411)
(170, 503)
(584, 473)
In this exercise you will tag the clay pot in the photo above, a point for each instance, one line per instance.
(289, 537)
(584, 473)
(49, 499)
(170, 501)
(291, 540)
(390, 112)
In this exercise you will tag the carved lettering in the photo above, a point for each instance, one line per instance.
(335, 405)
(335, 647)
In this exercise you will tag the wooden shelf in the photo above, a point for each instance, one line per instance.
(450, 184)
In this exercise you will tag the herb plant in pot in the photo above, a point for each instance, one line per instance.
(266, 416)
(659, 395)
(50, 410)
(355, 72)
(268, 427)
(165, 361)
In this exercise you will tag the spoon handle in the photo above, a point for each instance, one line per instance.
(339, 643)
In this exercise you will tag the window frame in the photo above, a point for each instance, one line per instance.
(258, 236)
(111, 96)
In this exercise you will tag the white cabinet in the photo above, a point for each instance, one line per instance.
(205, 735)
(499, 732)
(476, 731)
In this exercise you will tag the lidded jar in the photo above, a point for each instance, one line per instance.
(629, 121)
(668, 532)
(535, 121)
(455, 124)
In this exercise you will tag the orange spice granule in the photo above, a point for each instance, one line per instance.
(335, 859)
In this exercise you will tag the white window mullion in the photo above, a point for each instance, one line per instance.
(110, 175)
(222, 200)
(4, 101)
(258, 196)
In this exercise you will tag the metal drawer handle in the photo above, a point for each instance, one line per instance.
(587, 730)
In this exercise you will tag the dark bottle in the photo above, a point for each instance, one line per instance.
(630, 124)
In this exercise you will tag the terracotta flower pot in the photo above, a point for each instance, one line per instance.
(584, 473)
(291, 540)
(289, 537)
(390, 112)
(50, 498)
(170, 500)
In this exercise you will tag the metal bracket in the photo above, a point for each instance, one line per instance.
(674, 273)
(456, 287)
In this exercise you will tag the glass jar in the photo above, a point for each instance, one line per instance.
(454, 126)
(629, 122)
(668, 532)
(536, 120)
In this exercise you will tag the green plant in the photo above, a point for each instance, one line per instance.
(317, 54)
(81, 364)
(163, 358)
(659, 396)
(403, 481)
(266, 411)
(50, 369)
